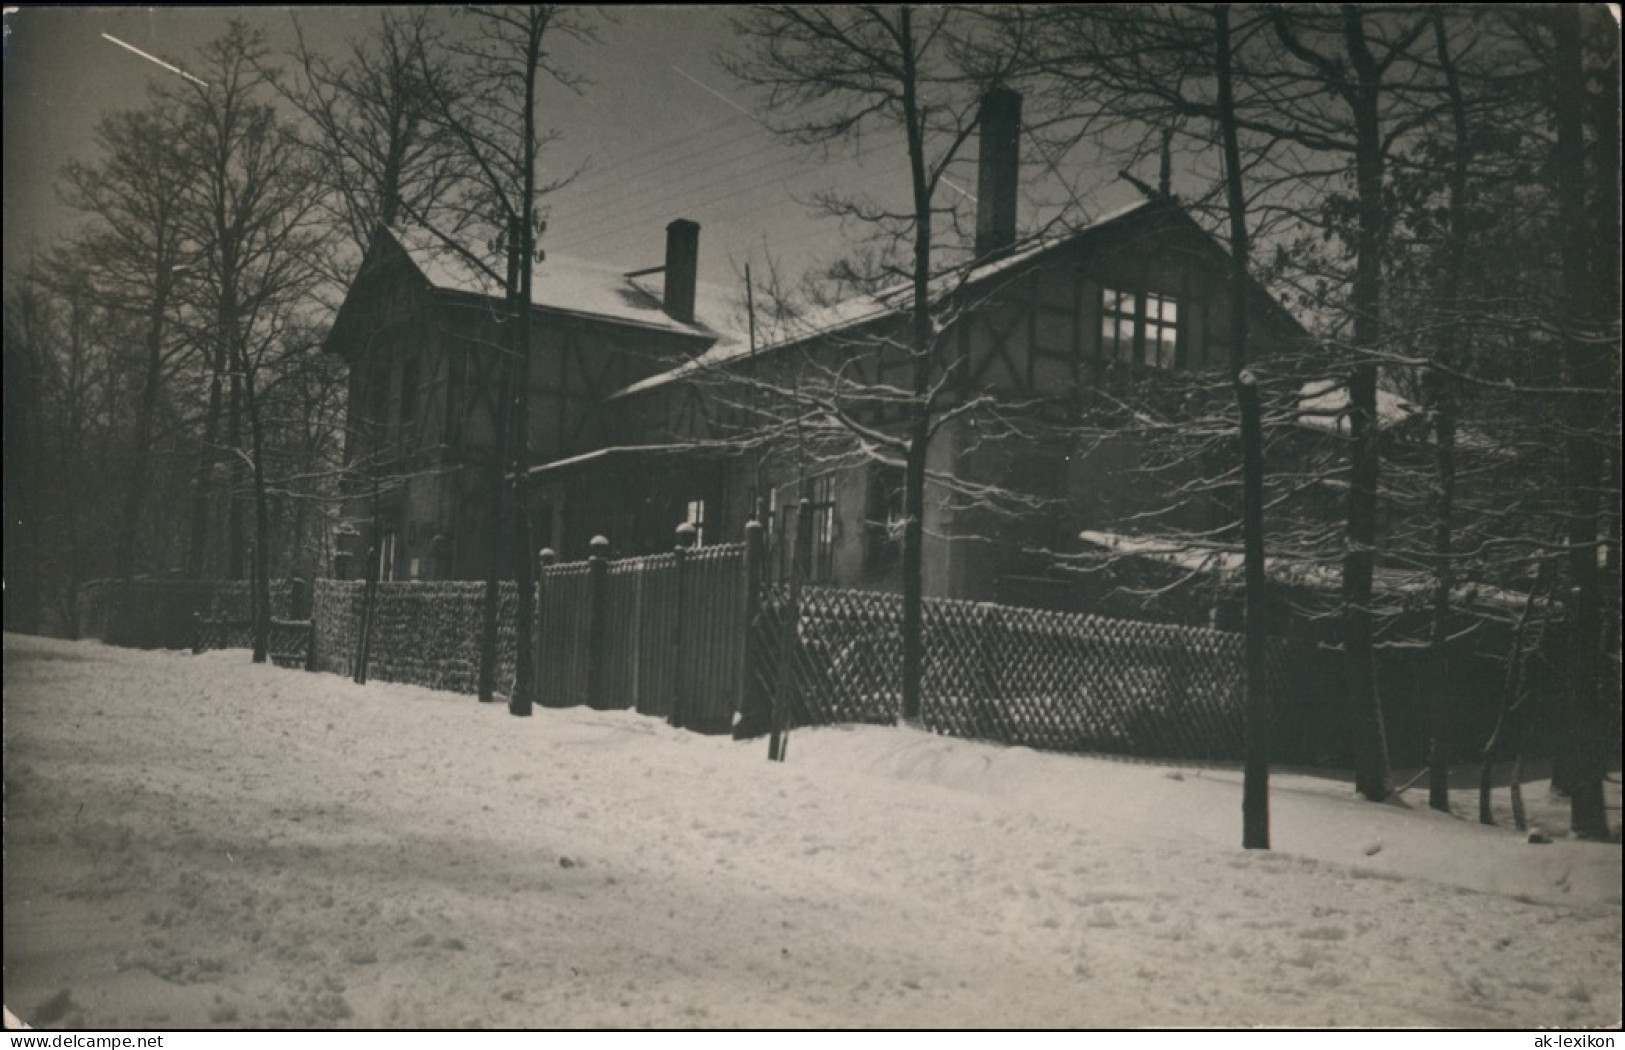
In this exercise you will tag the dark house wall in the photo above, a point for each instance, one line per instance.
(425, 374)
(1037, 331)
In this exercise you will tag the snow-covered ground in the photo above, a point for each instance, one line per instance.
(197, 841)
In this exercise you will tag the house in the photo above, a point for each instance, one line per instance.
(424, 333)
(631, 433)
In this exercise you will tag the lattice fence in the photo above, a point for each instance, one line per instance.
(1058, 681)
(288, 643)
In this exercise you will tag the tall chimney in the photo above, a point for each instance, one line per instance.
(682, 269)
(998, 171)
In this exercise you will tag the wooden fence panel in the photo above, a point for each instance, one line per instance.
(714, 622)
(562, 631)
(673, 634)
(623, 586)
(656, 624)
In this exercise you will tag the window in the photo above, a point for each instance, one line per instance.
(823, 522)
(821, 495)
(1161, 329)
(409, 396)
(1117, 326)
(695, 516)
(884, 521)
(386, 555)
(1136, 328)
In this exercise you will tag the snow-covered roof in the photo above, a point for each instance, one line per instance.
(1323, 404)
(1198, 557)
(857, 310)
(574, 285)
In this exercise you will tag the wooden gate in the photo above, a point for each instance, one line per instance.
(663, 635)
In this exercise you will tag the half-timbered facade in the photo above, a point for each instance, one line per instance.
(1134, 297)
(425, 340)
(642, 389)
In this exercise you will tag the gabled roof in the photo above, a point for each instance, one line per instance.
(853, 313)
(570, 285)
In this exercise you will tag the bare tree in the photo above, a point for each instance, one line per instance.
(249, 215)
(134, 196)
(370, 121)
(57, 326)
(491, 113)
(830, 75)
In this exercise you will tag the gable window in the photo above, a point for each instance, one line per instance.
(1161, 329)
(1139, 328)
(1117, 312)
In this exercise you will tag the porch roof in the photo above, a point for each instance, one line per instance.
(623, 453)
(1228, 561)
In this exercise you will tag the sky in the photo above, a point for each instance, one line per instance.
(660, 132)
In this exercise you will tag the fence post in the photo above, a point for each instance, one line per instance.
(369, 596)
(679, 694)
(544, 558)
(778, 742)
(987, 671)
(253, 594)
(310, 636)
(750, 707)
(597, 610)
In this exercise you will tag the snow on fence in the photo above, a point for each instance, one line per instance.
(163, 614)
(693, 636)
(1030, 677)
(423, 633)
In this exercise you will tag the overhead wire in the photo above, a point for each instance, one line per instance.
(592, 235)
(666, 202)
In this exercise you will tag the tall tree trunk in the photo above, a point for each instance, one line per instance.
(236, 539)
(1585, 363)
(1255, 805)
(1509, 731)
(1372, 777)
(1444, 431)
(497, 482)
(921, 341)
(490, 603)
(262, 519)
(197, 554)
(135, 491)
(524, 570)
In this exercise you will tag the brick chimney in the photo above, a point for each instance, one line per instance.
(998, 172)
(682, 269)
